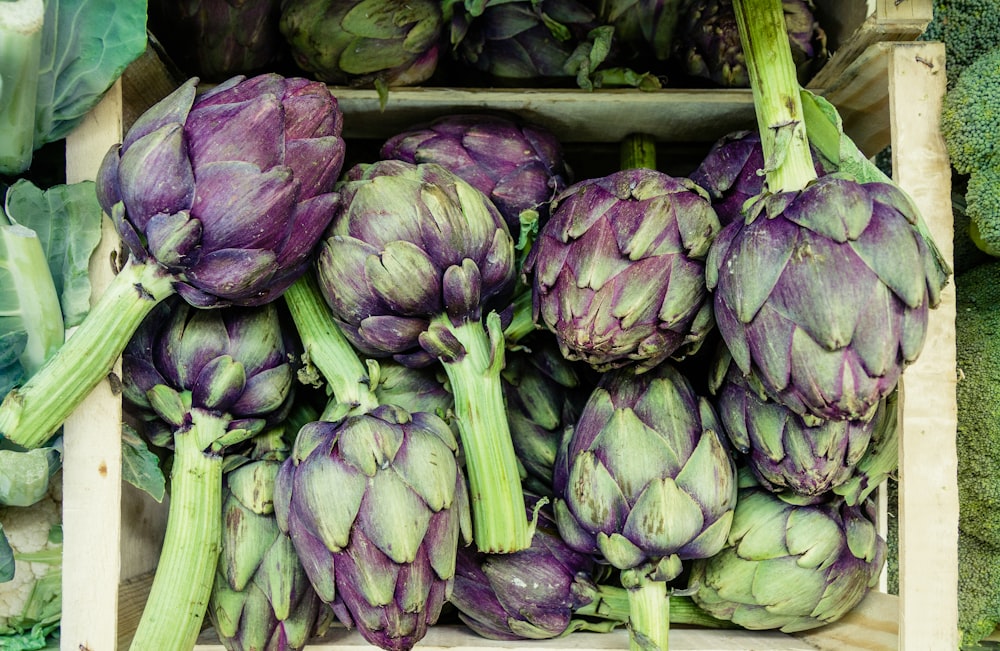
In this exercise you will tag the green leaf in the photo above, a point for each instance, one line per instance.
(86, 46)
(6, 558)
(140, 466)
(67, 220)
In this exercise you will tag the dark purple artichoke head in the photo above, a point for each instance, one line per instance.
(645, 479)
(785, 450)
(707, 45)
(530, 594)
(216, 39)
(230, 190)
(733, 172)
(261, 598)
(618, 271)
(519, 166)
(790, 564)
(375, 505)
(823, 294)
(364, 42)
(232, 361)
(410, 243)
(526, 41)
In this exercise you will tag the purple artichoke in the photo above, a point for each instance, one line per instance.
(417, 264)
(364, 42)
(518, 166)
(375, 505)
(804, 454)
(216, 39)
(823, 294)
(618, 271)
(217, 377)
(790, 565)
(220, 198)
(708, 45)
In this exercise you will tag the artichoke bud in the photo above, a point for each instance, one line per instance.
(174, 239)
(253, 486)
(171, 405)
(219, 384)
(440, 341)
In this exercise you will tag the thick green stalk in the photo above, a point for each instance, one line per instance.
(638, 151)
(178, 599)
(649, 616)
(21, 23)
(780, 119)
(499, 521)
(31, 414)
(327, 348)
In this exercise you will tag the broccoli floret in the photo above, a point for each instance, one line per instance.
(977, 327)
(970, 122)
(968, 29)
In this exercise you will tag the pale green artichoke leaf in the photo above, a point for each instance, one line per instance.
(598, 501)
(889, 248)
(277, 574)
(394, 517)
(664, 518)
(405, 277)
(619, 551)
(249, 537)
(862, 538)
(369, 445)
(86, 46)
(634, 453)
(141, 466)
(761, 256)
(815, 538)
(330, 495)
(709, 476)
(785, 588)
(429, 469)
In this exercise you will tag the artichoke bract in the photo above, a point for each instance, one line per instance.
(261, 598)
(216, 39)
(216, 377)
(417, 265)
(221, 198)
(618, 271)
(790, 565)
(708, 43)
(804, 454)
(364, 42)
(377, 533)
(646, 27)
(646, 480)
(518, 166)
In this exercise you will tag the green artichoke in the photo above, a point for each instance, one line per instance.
(364, 42)
(645, 479)
(375, 505)
(261, 598)
(790, 565)
(618, 271)
(417, 265)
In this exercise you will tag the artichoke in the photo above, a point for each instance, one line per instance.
(261, 599)
(618, 271)
(804, 454)
(364, 42)
(375, 505)
(220, 198)
(708, 43)
(790, 564)
(646, 27)
(415, 261)
(216, 39)
(518, 166)
(823, 294)
(646, 480)
(216, 377)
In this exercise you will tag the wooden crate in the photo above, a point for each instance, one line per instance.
(890, 92)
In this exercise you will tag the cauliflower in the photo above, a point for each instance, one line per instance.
(31, 602)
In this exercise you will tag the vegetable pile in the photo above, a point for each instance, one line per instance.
(455, 384)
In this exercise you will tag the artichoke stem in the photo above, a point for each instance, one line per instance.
(327, 348)
(499, 522)
(178, 599)
(638, 152)
(776, 94)
(612, 603)
(32, 413)
(649, 616)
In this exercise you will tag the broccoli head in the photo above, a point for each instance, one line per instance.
(970, 124)
(977, 327)
(968, 29)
